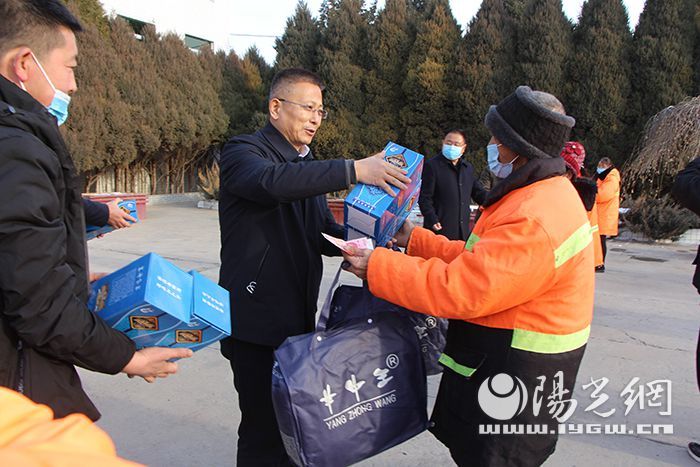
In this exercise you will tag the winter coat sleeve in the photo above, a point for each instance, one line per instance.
(479, 192)
(686, 187)
(95, 213)
(246, 173)
(332, 228)
(36, 284)
(587, 191)
(426, 198)
(426, 244)
(508, 266)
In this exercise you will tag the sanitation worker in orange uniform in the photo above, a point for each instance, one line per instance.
(574, 154)
(518, 293)
(608, 203)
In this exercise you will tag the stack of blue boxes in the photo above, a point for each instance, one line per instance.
(372, 212)
(128, 206)
(157, 304)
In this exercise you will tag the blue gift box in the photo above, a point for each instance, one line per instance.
(373, 212)
(146, 300)
(155, 303)
(211, 314)
(128, 206)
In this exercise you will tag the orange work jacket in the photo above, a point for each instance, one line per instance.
(608, 203)
(527, 266)
(30, 437)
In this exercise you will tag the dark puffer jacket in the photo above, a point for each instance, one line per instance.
(45, 326)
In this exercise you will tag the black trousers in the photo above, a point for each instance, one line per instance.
(259, 441)
(603, 243)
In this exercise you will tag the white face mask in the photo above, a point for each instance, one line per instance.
(60, 102)
(498, 168)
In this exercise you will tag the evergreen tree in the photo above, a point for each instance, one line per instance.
(91, 12)
(663, 48)
(244, 94)
(299, 44)
(139, 85)
(99, 132)
(343, 64)
(598, 84)
(392, 37)
(544, 36)
(266, 72)
(195, 113)
(429, 89)
(484, 67)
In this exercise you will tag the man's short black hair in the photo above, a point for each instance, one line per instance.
(459, 131)
(34, 24)
(605, 161)
(292, 76)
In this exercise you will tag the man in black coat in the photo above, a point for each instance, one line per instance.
(272, 212)
(45, 325)
(449, 185)
(686, 190)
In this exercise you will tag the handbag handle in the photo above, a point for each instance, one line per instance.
(326, 309)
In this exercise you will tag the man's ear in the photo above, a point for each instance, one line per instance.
(273, 107)
(20, 62)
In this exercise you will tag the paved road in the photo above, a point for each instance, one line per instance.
(645, 326)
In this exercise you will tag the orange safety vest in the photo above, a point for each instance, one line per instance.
(608, 203)
(595, 231)
(527, 266)
(30, 437)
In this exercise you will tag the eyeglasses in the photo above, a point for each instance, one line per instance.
(323, 113)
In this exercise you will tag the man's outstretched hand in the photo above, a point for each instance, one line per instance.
(153, 362)
(118, 218)
(374, 170)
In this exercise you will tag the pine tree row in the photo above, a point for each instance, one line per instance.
(406, 73)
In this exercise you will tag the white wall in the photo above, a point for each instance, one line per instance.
(206, 19)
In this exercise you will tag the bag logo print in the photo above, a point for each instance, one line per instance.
(251, 287)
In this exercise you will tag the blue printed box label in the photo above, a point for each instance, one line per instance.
(373, 212)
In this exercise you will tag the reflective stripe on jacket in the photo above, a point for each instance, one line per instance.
(528, 266)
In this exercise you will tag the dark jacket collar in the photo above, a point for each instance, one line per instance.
(605, 173)
(280, 143)
(444, 160)
(14, 96)
(20, 110)
(534, 171)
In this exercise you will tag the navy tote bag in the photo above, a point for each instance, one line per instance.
(345, 394)
(352, 302)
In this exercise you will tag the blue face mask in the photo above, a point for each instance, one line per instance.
(498, 168)
(451, 152)
(60, 102)
(600, 170)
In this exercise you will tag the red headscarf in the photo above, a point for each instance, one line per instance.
(574, 154)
